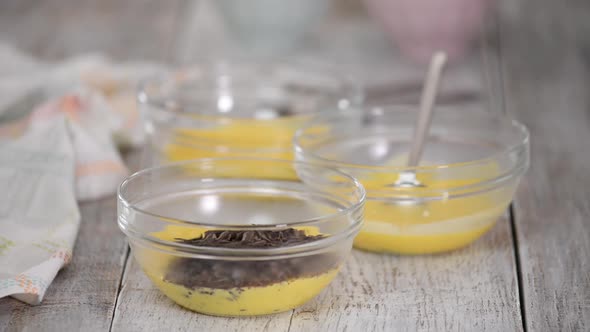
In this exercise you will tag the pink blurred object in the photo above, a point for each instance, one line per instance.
(421, 27)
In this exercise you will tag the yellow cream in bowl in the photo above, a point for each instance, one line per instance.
(431, 226)
(242, 301)
(238, 137)
(249, 301)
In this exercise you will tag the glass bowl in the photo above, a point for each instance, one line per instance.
(240, 236)
(470, 169)
(241, 109)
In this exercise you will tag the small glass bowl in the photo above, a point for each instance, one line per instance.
(242, 109)
(470, 169)
(162, 211)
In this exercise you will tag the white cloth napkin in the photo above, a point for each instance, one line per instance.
(39, 217)
(59, 129)
(98, 166)
(22, 76)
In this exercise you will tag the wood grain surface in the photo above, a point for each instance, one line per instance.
(547, 87)
(471, 288)
(532, 273)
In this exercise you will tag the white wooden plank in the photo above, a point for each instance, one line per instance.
(547, 87)
(470, 289)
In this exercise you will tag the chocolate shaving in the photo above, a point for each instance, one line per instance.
(195, 273)
(251, 239)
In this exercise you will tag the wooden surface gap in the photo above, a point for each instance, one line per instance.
(291, 320)
(519, 277)
(546, 87)
(123, 271)
(498, 90)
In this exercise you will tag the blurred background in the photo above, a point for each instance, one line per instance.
(383, 43)
(182, 30)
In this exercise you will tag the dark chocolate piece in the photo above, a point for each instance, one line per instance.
(251, 239)
(224, 274)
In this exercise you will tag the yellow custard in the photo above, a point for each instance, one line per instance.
(247, 301)
(433, 226)
(388, 229)
(250, 301)
(238, 137)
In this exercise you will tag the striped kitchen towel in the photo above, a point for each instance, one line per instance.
(56, 148)
(63, 152)
(98, 166)
(39, 215)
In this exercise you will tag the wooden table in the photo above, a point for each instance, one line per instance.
(531, 272)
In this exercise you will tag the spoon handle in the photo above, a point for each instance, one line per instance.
(426, 107)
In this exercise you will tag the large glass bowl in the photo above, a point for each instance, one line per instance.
(238, 204)
(470, 168)
(237, 109)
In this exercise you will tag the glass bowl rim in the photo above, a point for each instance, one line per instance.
(351, 90)
(212, 145)
(520, 166)
(352, 209)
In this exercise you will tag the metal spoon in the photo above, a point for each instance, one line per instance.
(407, 179)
